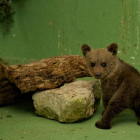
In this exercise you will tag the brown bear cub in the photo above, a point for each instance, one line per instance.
(120, 82)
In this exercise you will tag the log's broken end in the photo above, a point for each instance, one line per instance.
(8, 92)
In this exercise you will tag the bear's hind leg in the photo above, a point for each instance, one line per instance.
(138, 121)
(138, 115)
(136, 108)
(137, 111)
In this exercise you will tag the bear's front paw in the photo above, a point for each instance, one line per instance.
(102, 125)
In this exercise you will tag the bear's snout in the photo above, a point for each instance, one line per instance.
(97, 75)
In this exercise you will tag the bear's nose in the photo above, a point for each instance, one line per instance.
(97, 75)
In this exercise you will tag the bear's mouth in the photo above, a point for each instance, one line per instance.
(97, 75)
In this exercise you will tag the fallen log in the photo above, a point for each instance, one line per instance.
(44, 74)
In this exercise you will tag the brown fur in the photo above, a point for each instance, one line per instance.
(120, 82)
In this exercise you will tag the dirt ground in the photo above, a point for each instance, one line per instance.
(19, 121)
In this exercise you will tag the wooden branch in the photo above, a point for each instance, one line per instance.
(44, 74)
(47, 73)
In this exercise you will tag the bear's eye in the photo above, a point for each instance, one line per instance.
(103, 64)
(92, 64)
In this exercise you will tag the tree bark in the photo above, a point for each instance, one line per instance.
(8, 92)
(44, 74)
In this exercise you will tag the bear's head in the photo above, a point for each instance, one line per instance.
(100, 62)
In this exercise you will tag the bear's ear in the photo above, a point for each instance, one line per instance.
(112, 48)
(85, 48)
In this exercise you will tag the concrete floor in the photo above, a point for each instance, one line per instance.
(20, 122)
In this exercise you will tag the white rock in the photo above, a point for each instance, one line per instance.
(69, 103)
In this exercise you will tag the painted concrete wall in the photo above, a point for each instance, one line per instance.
(48, 28)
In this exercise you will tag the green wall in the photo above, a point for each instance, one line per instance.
(48, 28)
